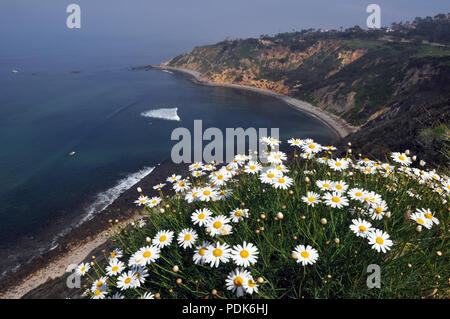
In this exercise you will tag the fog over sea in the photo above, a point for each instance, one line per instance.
(83, 97)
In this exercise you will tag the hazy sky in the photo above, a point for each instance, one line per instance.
(186, 23)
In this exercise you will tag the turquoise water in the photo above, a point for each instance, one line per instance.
(46, 112)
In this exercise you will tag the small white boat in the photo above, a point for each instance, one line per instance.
(167, 71)
(72, 153)
(15, 71)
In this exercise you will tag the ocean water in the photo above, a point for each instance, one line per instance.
(116, 120)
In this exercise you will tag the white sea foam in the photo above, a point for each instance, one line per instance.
(165, 114)
(106, 198)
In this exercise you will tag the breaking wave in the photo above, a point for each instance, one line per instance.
(165, 114)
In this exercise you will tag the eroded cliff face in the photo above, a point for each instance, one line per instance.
(223, 63)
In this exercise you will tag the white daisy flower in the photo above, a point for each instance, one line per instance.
(115, 267)
(218, 224)
(276, 157)
(146, 255)
(220, 177)
(379, 240)
(379, 209)
(173, 178)
(339, 186)
(196, 166)
(252, 167)
(197, 173)
(163, 238)
(356, 194)
(181, 185)
(142, 200)
(187, 238)
(99, 293)
(338, 164)
(295, 142)
(201, 217)
(311, 199)
(200, 250)
(335, 200)
(238, 214)
(159, 186)
(100, 283)
(245, 255)
(154, 201)
(140, 223)
(235, 281)
(428, 214)
(269, 176)
(401, 158)
(223, 194)
(82, 269)
(420, 219)
(216, 254)
(306, 255)
(282, 182)
(361, 227)
(250, 286)
(115, 254)
(325, 185)
(193, 195)
(207, 194)
(126, 280)
(140, 273)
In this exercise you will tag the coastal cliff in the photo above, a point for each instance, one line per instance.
(392, 84)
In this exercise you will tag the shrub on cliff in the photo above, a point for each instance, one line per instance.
(310, 226)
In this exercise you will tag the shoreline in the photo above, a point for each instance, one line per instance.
(338, 125)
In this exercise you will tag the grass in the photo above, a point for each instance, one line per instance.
(416, 266)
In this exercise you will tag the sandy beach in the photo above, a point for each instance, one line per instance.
(35, 280)
(337, 124)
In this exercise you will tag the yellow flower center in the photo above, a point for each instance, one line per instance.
(326, 185)
(362, 228)
(251, 283)
(379, 210)
(238, 281)
(311, 199)
(252, 167)
(206, 193)
(244, 254)
(181, 184)
(401, 157)
(304, 254)
(217, 252)
(220, 177)
(83, 269)
(281, 181)
(202, 251)
(312, 146)
(128, 280)
(115, 268)
(428, 215)
(338, 186)
(277, 156)
(336, 199)
(217, 225)
(238, 213)
(358, 194)
(147, 254)
(98, 292)
(420, 221)
(99, 284)
(379, 240)
(271, 175)
(163, 238)
(338, 164)
(201, 216)
(187, 237)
